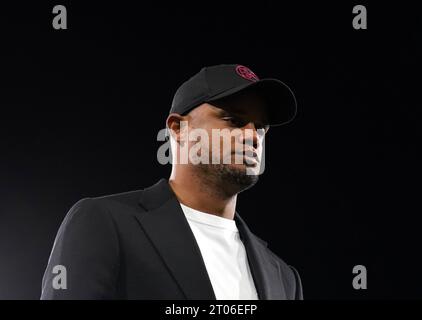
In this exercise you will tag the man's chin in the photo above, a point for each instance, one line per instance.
(236, 177)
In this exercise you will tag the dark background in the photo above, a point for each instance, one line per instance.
(80, 110)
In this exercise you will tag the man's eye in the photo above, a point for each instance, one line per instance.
(233, 121)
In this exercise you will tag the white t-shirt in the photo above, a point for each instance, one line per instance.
(224, 255)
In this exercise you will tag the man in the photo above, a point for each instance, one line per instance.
(182, 237)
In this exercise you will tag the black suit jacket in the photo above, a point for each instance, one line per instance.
(138, 245)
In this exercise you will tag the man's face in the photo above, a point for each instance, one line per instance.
(235, 154)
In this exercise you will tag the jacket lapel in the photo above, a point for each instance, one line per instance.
(265, 271)
(169, 231)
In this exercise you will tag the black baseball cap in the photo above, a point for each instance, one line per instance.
(216, 82)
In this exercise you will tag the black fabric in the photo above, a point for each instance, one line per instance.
(138, 245)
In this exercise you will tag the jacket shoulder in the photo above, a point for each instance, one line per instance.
(115, 205)
(87, 231)
(128, 198)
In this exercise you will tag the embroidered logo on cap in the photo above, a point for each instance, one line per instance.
(246, 73)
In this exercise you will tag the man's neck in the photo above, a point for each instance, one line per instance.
(194, 194)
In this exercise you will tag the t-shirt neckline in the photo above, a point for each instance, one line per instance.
(209, 219)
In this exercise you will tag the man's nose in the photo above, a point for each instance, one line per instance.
(250, 135)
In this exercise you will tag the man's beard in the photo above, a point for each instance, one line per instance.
(228, 179)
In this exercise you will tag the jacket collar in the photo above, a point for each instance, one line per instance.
(168, 229)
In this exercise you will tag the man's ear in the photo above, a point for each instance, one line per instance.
(174, 126)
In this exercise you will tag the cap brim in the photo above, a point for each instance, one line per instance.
(280, 101)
